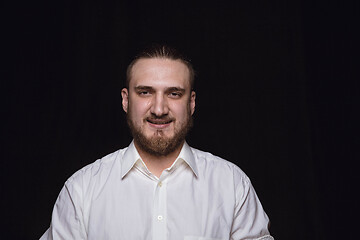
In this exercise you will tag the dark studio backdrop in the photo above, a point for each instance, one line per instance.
(277, 94)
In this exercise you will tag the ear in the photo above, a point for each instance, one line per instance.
(192, 102)
(125, 99)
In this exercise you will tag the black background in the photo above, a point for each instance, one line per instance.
(277, 93)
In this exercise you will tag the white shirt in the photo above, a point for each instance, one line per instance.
(200, 196)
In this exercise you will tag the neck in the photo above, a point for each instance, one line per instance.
(157, 164)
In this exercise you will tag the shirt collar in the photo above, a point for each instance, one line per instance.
(131, 156)
(187, 155)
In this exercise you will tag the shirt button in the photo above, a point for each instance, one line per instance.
(160, 217)
(160, 184)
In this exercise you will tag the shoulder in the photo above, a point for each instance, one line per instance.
(97, 170)
(208, 163)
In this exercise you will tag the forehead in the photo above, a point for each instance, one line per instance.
(160, 72)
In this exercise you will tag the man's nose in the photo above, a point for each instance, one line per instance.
(160, 105)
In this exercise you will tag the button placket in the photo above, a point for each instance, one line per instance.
(159, 222)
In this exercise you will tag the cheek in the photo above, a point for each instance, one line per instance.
(138, 109)
(180, 111)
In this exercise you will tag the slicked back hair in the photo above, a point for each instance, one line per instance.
(162, 52)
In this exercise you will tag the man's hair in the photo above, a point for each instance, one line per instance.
(161, 51)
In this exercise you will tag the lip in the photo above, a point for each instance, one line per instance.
(159, 123)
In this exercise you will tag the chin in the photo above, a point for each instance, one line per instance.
(160, 134)
(168, 132)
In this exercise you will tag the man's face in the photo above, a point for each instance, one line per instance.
(159, 104)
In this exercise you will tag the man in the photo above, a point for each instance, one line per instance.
(159, 188)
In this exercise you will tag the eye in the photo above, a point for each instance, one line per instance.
(143, 93)
(175, 95)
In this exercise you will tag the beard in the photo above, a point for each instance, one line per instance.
(159, 144)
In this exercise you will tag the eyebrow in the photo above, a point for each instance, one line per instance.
(138, 88)
(175, 89)
(169, 89)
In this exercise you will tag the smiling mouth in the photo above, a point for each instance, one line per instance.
(159, 123)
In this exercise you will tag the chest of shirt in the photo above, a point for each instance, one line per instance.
(137, 207)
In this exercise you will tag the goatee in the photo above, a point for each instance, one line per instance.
(159, 144)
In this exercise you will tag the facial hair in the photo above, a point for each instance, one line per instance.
(159, 144)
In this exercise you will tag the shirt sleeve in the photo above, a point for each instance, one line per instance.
(67, 221)
(250, 220)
